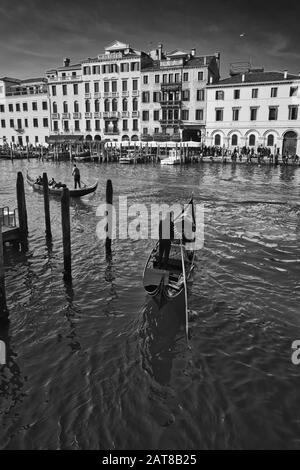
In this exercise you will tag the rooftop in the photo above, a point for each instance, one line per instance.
(256, 77)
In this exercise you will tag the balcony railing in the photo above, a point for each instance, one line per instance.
(170, 122)
(77, 115)
(55, 116)
(111, 94)
(125, 114)
(135, 92)
(97, 115)
(69, 78)
(65, 115)
(135, 114)
(171, 86)
(26, 92)
(110, 114)
(87, 95)
(111, 132)
(88, 115)
(125, 93)
(97, 95)
(170, 103)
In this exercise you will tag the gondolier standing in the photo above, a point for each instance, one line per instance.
(166, 235)
(76, 174)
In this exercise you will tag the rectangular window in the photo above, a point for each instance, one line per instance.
(86, 87)
(26, 122)
(293, 90)
(156, 115)
(156, 130)
(45, 122)
(88, 125)
(36, 139)
(10, 108)
(219, 114)
(145, 130)
(156, 78)
(53, 90)
(199, 114)
(177, 77)
(185, 95)
(19, 123)
(96, 87)
(200, 76)
(165, 78)
(274, 92)
(135, 125)
(64, 89)
(125, 125)
(293, 112)
(75, 88)
(253, 114)
(18, 107)
(35, 122)
(219, 95)
(106, 87)
(156, 96)
(44, 105)
(254, 92)
(235, 114)
(124, 85)
(185, 77)
(11, 123)
(145, 116)
(25, 107)
(145, 97)
(145, 79)
(66, 126)
(97, 124)
(273, 110)
(185, 114)
(2, 109)
(170, 78)
(134, 84)
(55, 126)
(2, 123)
(114, 86)
(236, 94)
(34, 106)
(124, 67)
(76, 125)
(201, 95)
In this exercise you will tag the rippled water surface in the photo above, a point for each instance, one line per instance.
(88, 368)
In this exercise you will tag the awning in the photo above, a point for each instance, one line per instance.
(63, 139)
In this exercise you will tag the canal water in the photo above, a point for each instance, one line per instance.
(88, 368)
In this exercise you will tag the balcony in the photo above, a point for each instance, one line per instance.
(111, 94)
(125, 114)
(97, 95)
(170, 122)
(88, 115)
(87, 95)
(125, 93)
(110, 115)
(170, 103)
(111, 132)
(171, 86)
(76, 115)
(55, 116)
(135, 93)
(97, 115)
(65, 116)
(71, 78)
(135, 114)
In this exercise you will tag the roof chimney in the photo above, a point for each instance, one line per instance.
(193, 52)
(66, 62)
(285, 74)
(160, 48)
(243, 77)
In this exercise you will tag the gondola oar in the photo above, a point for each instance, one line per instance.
(185, 295)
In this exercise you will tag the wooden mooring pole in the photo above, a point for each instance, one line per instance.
(109, 201)
(22, 205)
(3, 306)
(47, 206)
(66, 232)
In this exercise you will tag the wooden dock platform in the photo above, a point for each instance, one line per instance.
(11, 234)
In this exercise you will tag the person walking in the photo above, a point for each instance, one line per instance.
(76, 174)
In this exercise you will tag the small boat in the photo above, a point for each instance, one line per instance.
(172, 159)
(126, 159)
(167, 286)
(57, 191)
(84, 156)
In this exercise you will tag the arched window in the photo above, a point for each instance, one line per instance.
(234, 139)
(76, 107)
(54, 106)
(87, 106)
(97, 106)
(270, 140)
(65, 107)
(114, 105)
(134, 105)
(251, 139)
(217, 139)
(106, 106)
(125, 105)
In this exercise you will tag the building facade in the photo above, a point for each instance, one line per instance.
(24, 111)
(255, 109)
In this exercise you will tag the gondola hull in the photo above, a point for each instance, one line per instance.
(58, 191)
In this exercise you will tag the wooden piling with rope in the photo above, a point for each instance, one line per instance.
(109, 201)
(3, 305)
(66, 233)
(47, 206)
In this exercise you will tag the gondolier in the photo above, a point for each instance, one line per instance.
(76, 174)
(166, 235)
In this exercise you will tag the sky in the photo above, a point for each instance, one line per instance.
(37, 35)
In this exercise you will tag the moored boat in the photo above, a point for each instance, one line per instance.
(172, 159)
(58, 191)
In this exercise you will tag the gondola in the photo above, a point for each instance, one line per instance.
(167, 286)
(57, 191)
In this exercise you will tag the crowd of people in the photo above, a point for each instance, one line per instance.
(261, 154)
